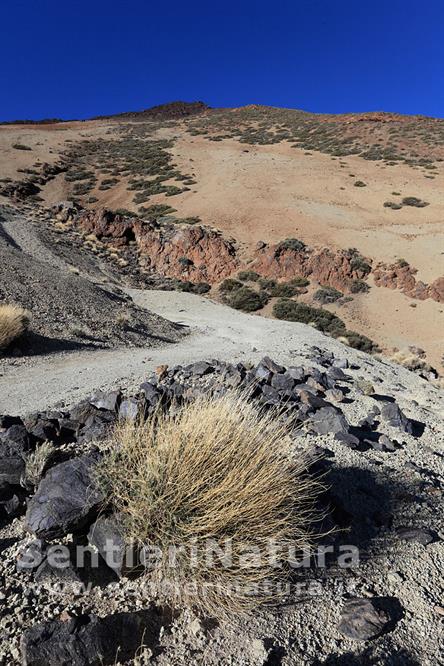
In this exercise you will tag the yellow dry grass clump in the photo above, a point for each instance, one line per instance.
(214, 473)
(14, 321)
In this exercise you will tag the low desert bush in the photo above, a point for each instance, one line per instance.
(359, 183)
(283, 290)
(216, 473)
(327, 295)
(14, 321)
(290, 244)
(230, 285)
(21, 146)
(299, 282)
(359, 287)
(37, 461)
(248, 276)
(414, 201)
(246, 299)
(267, 283)
(322, 319)
(392, 205)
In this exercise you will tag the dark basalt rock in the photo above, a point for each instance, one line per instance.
(200, 368)
(364, 619)
(66, 499)
(17, 438)
(297, 373)
(348, 439)
(395, 417)
(107, 536)
(12, 469)
(329, 420)
(89, 640)
(131, 409)
(108, 401)
(268, 363)
(283, 383)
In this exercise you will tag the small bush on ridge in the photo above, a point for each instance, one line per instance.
(14, 321)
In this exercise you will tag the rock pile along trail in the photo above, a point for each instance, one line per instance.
(215, 331)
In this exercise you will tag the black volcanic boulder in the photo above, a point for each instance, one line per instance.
(364, 619)
(395, 417)
(107, 536)
(329, 420)
(89, 640)
(66, 499)
(14, 444)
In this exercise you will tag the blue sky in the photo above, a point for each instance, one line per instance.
(77, 59)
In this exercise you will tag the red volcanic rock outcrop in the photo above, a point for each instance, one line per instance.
(190, 253)
(335, 269)
(402, 276)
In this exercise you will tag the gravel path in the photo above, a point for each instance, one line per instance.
(216, 331)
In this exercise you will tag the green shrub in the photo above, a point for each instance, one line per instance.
(323, 319)
(414, 201)
(358, 263)
(248, 276)
(267, 283)
(246, 299)
(361, 342)
(290, 244)
(392, 205)
(359, 286)
(299, 282)
(193, 288)
(21, 146)
(283, 290)
(327, 295)
(185, 262)
(230, 285)
(402, 263)
(359, 183)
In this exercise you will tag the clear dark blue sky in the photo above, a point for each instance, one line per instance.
(79, 58)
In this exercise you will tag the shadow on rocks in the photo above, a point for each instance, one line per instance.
(34, 344)
(359, 508)
(371, 657)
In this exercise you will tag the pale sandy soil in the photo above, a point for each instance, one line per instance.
(275, 192)
(268, 193)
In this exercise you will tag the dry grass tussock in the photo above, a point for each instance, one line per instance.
(14, 321)
(215, 469)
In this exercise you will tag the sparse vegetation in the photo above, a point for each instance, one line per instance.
(359, 287)
(14, 321)
(325, 321)
(327, 295)
(414, 201)
(248, 276)
(229, 285)
(359, 183)
(246, 299)
(213, 471)
(21, 146)
(36, 462)
(291, 244)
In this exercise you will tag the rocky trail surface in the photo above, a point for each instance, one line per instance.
(215, 331)
(379, 433)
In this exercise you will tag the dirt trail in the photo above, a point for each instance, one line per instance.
(216, 332)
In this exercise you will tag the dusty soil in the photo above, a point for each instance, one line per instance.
(269, 192)
(401, 488)
(69, 310)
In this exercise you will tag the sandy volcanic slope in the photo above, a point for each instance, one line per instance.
(216, 332)
(271, 192)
